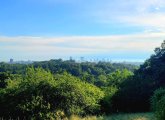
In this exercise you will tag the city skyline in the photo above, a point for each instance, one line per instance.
(77, 60)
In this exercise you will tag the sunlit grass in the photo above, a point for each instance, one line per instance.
(131, 116)
(134, 116)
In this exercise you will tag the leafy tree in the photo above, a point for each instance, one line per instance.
(119, 76)
(86, 71)
(135, 93)
(158, 103)
(40, 95)
(114, 80)
(101, 81)
(3, 79)
(77, 97)
(106, 103)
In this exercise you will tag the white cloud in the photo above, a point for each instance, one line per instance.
(148, 20)
(77, 45)
(149, 14)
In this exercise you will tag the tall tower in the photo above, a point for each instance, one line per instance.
(70, 58)
(11, 61)
(82, 59)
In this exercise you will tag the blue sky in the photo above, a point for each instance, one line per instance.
(48, 29)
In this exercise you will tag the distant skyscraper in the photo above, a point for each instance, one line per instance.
(82, 59)
(11, 60)
(71, 58)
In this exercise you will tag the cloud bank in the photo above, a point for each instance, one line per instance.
(51, 47)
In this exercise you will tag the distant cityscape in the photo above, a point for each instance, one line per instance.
(11, 61)
(79, 60)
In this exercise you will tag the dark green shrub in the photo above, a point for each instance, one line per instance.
(158, 103)
(106, 103)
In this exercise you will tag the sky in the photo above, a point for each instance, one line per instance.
(123, 30)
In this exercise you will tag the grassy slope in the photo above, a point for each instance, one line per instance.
(136, 116)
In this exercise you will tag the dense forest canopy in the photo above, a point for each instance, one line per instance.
(87, 71)
(45, 89)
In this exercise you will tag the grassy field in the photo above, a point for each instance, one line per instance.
(135, 116)
(131, 116)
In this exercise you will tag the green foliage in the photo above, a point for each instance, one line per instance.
(24, 96)
(77, 97)
(106, 103)
(86, 71)
(135, 93)
(60, 87)
(37, 75)
(3, 79)
(158, 94)
(119, 76)
(114, 80)
(158, 103)
(101, 80)
(12, 68)
(40, 95)
(95, 73)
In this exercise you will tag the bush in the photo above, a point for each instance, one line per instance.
(40, 95)
(158, 103)
(106, 103)
(77, 97)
